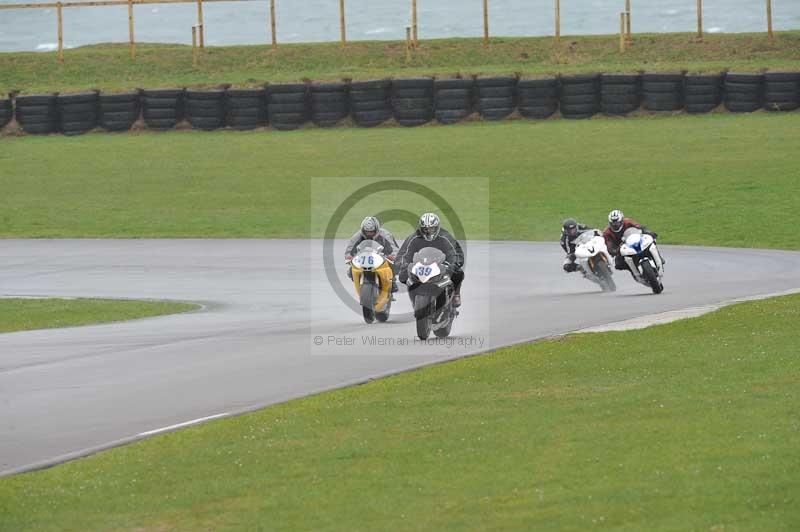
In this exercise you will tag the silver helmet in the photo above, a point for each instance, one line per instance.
(370, 227)
(429, 226)
(616, 218)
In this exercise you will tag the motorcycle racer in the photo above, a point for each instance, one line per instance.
(617, 225)
(570, 230)
(430, 234)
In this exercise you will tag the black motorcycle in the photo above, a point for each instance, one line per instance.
(432, 291)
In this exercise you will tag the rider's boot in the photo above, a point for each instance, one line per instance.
(457, 299)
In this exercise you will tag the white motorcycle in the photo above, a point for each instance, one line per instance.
(641, 254)
(432, 290)
(594, 260)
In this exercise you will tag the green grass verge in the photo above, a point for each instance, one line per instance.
(30, 314)
(109, 67)
(687, 426)
(718, 179)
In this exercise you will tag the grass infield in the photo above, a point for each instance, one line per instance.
(29, 314)
(108, 66)
(687, 426)
(717, 179)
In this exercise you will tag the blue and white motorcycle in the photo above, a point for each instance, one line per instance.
(641, 254)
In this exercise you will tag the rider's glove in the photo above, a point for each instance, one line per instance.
(392, 257)
(348, 258)
(571, 256)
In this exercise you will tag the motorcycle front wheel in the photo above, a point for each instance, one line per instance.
(424, 314)
(604, 271)
(651, 277)
(369, 314)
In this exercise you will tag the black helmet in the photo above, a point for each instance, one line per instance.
(570, 227)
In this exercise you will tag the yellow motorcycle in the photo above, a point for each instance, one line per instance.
(372, 278)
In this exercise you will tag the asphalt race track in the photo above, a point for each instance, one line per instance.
(273, 329)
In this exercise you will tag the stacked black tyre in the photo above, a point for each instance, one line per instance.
(537, 98)
(743, 92)
(6, 112)
(77, 113)
(620, 94)
(287, 106)
(580, 96)
(452, 99)
(662, 92)
(702, 93)
(370, 102)
(162, 109)
(205, 109)
(245, 108)
(412, 101)
(495, 97)
(781, 91)
(37, 113)
(118, 112)
(329, 104)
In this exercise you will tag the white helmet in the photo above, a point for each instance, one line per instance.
(370, 227)
(616, 218)
(429, 226)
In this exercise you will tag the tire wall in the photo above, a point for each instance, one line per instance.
(205, 109)
(245, 108)
(496, 97)
(118, 112)
(329, 104)
(781, 91)
(743, 92)
(620, 94)
(453, 99)
(162, 109)
(537, 98)
(412, 101)
(77, 113)
(288, 106)
(37, 114)
(580, 96)
(370, 102)
(662, 92)
(702, 93)
(6, 112)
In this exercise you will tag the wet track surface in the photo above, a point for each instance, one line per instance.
(273, 328)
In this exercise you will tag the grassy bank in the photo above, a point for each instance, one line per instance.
(687, 426)
(109, 67)
(712, 180)
(30, 314)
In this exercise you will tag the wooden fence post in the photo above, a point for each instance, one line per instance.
(272, 23)
(622, 32)
(200, 24)
(131, 37)
(342, 23)
(414, 29)
(60, 17)
(486, 22)
(699, 20)
(558, 21)
(769, 20)
(628, 32)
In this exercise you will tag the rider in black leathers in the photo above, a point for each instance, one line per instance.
(431, 235)
(570, 231)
